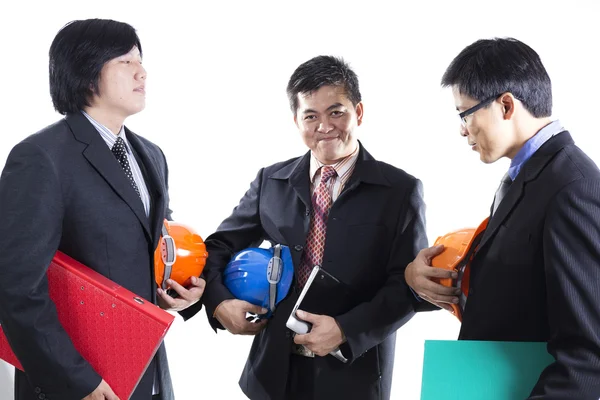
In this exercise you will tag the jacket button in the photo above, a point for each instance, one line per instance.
(37, 390)
(307, 213)
(298, 247)
(42, 396)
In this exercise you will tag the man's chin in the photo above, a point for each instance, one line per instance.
(486, 159)
(136, 109)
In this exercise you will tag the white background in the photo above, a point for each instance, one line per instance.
(216, 104)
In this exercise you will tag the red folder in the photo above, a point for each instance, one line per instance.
(116, 331)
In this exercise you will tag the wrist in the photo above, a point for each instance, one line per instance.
(219, 308)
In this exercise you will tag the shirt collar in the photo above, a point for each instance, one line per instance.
(533, 145)
(106, 134)
(341, 167)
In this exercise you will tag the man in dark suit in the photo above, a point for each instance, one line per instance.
(336, 206)
(91, 188)
(536, 273)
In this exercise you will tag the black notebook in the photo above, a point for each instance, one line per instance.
(322, 294)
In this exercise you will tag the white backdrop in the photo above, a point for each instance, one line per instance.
(217, 73)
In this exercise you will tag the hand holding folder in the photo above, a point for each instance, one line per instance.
(117, 332)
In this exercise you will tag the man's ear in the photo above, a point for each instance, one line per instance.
(359, 112)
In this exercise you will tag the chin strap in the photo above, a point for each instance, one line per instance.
(168, 254)
(274, 271)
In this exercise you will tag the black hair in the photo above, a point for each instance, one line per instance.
(77, 55)
(322, 71)
(491, 67)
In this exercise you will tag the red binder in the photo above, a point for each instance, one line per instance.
(116, 331)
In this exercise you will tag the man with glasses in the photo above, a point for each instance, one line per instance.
(535, 275)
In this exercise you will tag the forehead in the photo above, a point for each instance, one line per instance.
(325, 96)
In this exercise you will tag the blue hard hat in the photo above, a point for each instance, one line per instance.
(262, 277)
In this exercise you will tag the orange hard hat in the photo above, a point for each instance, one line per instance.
(459, 247)
(180, 254)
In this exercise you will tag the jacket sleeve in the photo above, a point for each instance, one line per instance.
(240, 230)
(169, 212)
(31, 211)
(370, 323)
(571, 244)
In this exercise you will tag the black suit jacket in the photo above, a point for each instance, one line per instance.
(63, 189)
(536, 275)
(375, 228)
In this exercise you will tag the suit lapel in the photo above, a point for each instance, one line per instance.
(154, 184)
(295, 177)
(366, 170)
(509, 201)
(298, 176)
(529, 172)
(101, 158)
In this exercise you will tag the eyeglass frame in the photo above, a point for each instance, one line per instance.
(463, 115)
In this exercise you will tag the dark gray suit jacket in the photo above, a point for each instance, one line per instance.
(536, 275)
(62, 189)
(376, 227)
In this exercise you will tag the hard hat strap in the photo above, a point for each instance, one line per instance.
(274, 271)
(168, 253)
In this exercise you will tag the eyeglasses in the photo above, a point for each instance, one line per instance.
(463, 115)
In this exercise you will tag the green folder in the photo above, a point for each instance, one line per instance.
(477, 370)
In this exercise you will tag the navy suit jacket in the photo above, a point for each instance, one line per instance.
(536, 275)
(375, 228)
(63, 189)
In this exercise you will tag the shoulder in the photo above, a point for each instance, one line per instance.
(46, 144)
(397, 176)
(281, 166)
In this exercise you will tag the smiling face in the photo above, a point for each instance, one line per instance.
(326, 119)
(121, 86)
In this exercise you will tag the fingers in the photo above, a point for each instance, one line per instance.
(434, 289)
(431, 252)
(103, 391)
(302, 339)
(314, 343)
(111, 396)
(436, 293)
(436, 298)
(251, 308)
(439, 299)
(232, 315)
(439, 273)
(198, 282)
(181, 291)
(308, 317)
(168, 300)
(446, 307)
(185, 296)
